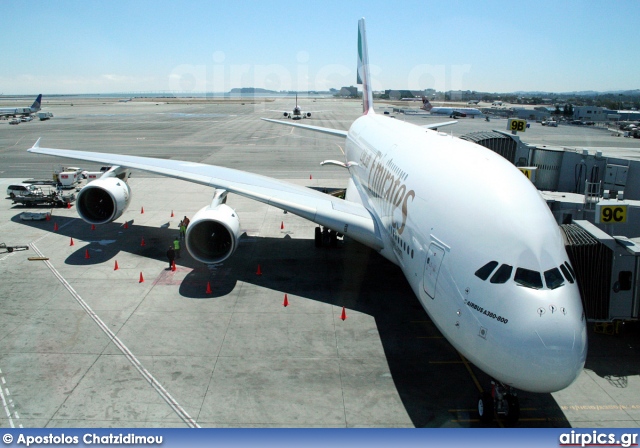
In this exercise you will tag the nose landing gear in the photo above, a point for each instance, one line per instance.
(503, 401)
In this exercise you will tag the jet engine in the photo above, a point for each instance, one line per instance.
(103, 200)
(212, 234)
(286, 114)
(308, 114)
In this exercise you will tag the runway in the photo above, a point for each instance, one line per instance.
(85, 345)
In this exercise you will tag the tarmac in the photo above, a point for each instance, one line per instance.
(85, 345)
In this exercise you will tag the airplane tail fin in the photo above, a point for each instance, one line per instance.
(36, 103)
(426, 105)
(364, 76)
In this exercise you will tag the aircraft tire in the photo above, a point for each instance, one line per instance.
(513, 410)
(318, 237)
(485, 408)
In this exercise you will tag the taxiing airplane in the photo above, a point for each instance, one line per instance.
(474, 239)
(452, 112)
(297, 113)
(21, 111)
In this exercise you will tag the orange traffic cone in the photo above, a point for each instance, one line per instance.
(173, 265)
(55, 226)
(71, 243)
(115, 268)
(141, 278)
(208, 291)
(282, 225)
(344, 314)
(310, 176)
(126, 225)
(86, 254)
(93, 227)
(142, 242)
(286, 301)
(68, 204)
(172, 213)
(141, 210)
(48, 216)
(259, 271)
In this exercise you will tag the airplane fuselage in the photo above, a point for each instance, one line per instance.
(445, 208)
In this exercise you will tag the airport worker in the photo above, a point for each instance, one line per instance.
(183, 229)
(176, 247)
(171, 255)
(186, 222)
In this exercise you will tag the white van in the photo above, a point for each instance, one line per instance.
(22, 190)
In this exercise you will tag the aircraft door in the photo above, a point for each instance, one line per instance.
(435, 254)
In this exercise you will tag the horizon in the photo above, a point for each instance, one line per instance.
(109, 47)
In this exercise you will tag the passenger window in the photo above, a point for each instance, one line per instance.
(530, 279)
(566, 273)
(553, 278)
(485, 271)
(502, 274)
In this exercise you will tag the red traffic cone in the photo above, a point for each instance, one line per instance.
(68, 204)
(172, 213)
(71, 243)
(259, 271)
(310, 176)
(126, 225)
(115, 268)
(93, 227)
(55, 226)
(286, 301)
(142, 242)
(208, 291)
(48, 216)
(141, 210)
(141, 278)
(173, 265)
(343, 316)
(86, 254)
(282, 225)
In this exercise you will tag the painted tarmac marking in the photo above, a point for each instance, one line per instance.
(182, 413)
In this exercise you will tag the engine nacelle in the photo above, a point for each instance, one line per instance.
(286, 114)
(308, 114)
(103, 200)
(212, 234)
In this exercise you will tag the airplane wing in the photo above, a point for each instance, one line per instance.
(438, 125)
(342, 216)
(330, 131)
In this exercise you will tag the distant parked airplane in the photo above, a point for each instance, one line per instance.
(21, 111)
(453, 112)
(297, 113)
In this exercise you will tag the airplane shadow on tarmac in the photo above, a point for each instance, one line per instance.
(435, 387)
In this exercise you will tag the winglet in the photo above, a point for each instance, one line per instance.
(37, 143)
(364, 76)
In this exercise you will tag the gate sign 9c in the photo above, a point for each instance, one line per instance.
(611, 212)
(516, 125)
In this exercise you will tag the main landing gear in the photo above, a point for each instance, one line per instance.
(326, 237)
(503, 401)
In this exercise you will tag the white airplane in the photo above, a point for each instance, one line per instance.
(453, 112)
(476, 242)
(297, 113)
(21, 111)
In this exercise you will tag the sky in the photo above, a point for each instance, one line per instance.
(182, 46)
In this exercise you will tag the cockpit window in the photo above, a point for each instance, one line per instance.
(566, 273)
(502, 274)
(553, 278)
(530, 279)
(486, 270)
(570, 269)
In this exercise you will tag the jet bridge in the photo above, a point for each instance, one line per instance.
(607, 269)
